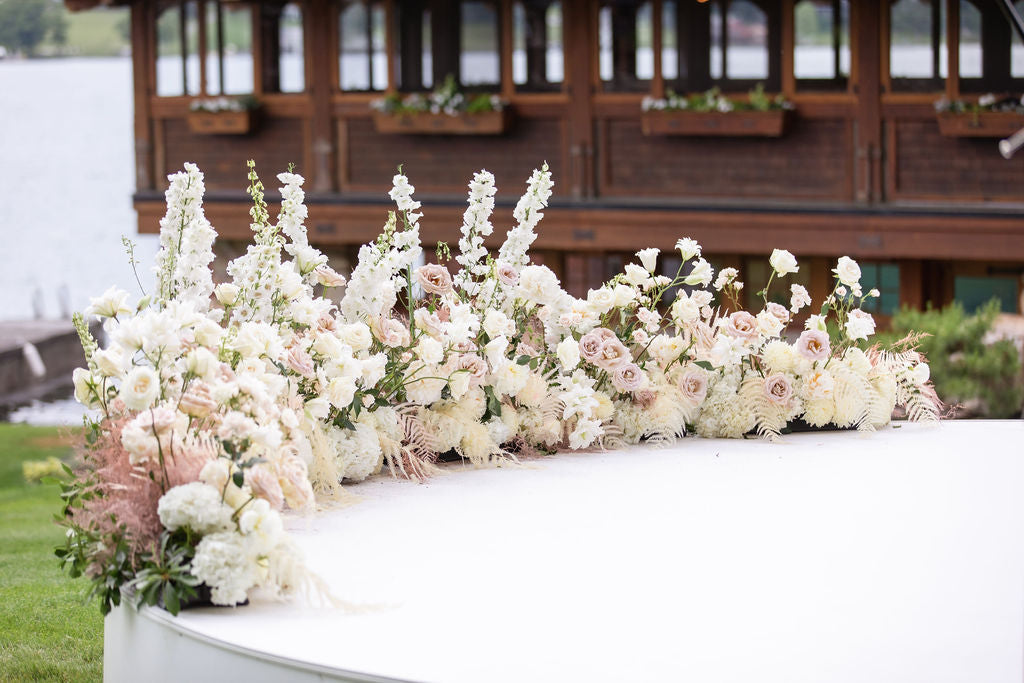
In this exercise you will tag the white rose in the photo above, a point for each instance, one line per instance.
(356, 335)
(497, 323)
(140, 388)
(226, 293)
(649, 257)
(429, 350)
(110, 361)
(783, 262)
(688, 248)
(623, 295)
(768, 324)
(920, 373)
(847, 271)
(685, 309)
(208, 333)
(600, 300)
(568, 352)
(201, 362)
(700, 275)
(341, 391)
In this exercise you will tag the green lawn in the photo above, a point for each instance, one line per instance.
(46, 632)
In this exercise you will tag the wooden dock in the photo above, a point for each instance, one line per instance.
(22, 376)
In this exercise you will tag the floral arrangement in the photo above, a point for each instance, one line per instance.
(221, 406)
(446, 99)
(985, 103)
(714, 101)
(216, 105)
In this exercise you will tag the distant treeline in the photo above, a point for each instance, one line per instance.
(45, 28)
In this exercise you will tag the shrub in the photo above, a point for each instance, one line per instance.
(983, 378)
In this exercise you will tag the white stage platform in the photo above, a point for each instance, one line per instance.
(895, 556)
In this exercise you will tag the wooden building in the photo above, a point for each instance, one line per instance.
(862, 168)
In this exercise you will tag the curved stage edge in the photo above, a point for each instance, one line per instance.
(893, 556)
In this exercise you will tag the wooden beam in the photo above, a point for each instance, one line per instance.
(143, 22)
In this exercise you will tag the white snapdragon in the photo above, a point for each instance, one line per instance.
(186, 242)
(476, 227)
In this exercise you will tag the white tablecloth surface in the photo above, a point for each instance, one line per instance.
(838, 556)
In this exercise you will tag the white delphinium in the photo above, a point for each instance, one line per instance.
(528, 214)
(476, 226)
(182, 265)
(384, 265)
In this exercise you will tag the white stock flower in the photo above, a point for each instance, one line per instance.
(783, 262)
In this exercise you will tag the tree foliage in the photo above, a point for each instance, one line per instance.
(985, 377)
(24, 24)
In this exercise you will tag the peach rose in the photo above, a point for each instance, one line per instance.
(434, 279)
(778, 389)
(814, 345)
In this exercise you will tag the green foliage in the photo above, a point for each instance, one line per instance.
(24, 24)
(963, 369)
(48, 633)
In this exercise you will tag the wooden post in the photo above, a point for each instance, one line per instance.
(579, 28)
(868, 121)
(658, 81)
(201, 16)
(321, 88)
(143, 22)
(506, 46)
(953, 45)
(788, 46)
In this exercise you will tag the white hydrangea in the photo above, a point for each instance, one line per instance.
(227, 562)
(197, 506)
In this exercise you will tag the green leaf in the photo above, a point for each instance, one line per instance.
(704, 364)
(523, 360)
(239, 478)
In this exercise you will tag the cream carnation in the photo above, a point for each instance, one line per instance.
(779, 356)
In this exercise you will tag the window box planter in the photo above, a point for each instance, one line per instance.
(769, 124)
(426, 123)
(986, 124)
(223, 122)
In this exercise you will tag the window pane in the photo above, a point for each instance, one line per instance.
(605, 43)
(970, 40)
(291, 59)
(555, 52)
(669, 41)
(822, 39)
(169, 76)
(427, 58)
(626, 38)
(212, 51)
(1017, 47)
(913, 52)
(479, 61)
(747, 52)
(536, 44)
(354, 50)
(192, 48)
(238, 68)
(717, 54)
(379, 56)
(974, 292)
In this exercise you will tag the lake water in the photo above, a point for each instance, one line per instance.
(66, 181)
